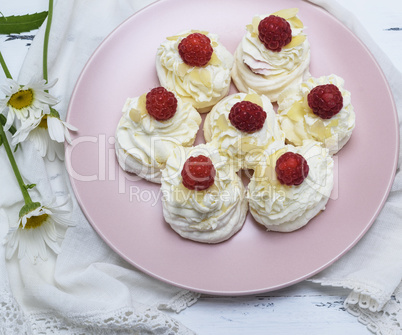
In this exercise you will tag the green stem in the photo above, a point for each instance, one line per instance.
(13, 163)
(4, 66)
(46, 39)
(3, 121)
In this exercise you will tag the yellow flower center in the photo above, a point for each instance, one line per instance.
(21, 99)
(43, 122)
(35, 221)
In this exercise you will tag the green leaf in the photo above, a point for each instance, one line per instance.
(22, 23)
(30, 186)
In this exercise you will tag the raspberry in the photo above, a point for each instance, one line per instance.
(325, 100)
(291, 169)
(195, 49)
(247, 116)
(161, 104)
(198, 173)
(274, 32)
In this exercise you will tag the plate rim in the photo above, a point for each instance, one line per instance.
(115, 248)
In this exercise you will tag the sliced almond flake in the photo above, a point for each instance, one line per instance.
(206, 77)
(286, 13)
(250, 28)
(259, 171)
(173, 38)
(333, 123)
(142, 102)
(222, 123)
(270, 173)
(265, 173)
(195, 76)
(246, 146)
(296, 112)
(256, 21)
(296, 22)
(318, 130)
(214, 60)
(304, 103)
(254, 98)
(202, 76)
(271, 159)
(204, 32)
(176, 37)
(296, 41)
(135, 115)
(182, 69)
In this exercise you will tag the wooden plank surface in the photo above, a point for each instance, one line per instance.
(302, 309)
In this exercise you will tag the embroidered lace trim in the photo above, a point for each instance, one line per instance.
(382, 316)
(125, 321)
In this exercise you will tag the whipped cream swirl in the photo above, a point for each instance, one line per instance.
(243, 149)
(143, 143)
(299, 122)
(202, 86)
(208, 216)
(269, 72)
(287, 208)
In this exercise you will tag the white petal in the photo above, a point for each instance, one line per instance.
(11, 244)
(38, 137)
(56, 129)
(10, 120)
(70, 126)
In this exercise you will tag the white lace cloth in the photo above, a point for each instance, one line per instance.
(88, 289)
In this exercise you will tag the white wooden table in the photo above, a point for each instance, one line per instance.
(304, 308)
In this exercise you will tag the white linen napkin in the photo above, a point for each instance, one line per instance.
(88, 288)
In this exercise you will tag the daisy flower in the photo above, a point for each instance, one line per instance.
(38, 228)
(26, 101)
(47, 134)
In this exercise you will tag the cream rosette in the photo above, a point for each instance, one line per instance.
(202, 86)
(299, 122)
(143, 143)
(285, 208)
(269, 72)
(209, 216)
(243, 149)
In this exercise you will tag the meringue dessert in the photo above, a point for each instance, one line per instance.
(151, 126)
(244, 126)
(273, 54)
(319, 109)
(203, 200)
(196, 66)
(291, 187)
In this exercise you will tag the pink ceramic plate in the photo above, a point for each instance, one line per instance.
(127, 212)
